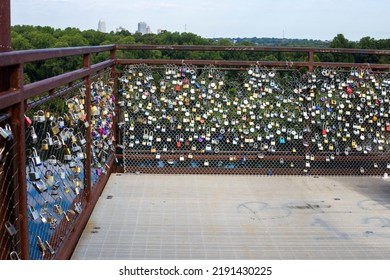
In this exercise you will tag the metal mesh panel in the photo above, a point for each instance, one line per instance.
(55, 143)
(9, 206)
(257, 121)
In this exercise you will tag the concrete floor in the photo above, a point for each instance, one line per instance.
(239, 217)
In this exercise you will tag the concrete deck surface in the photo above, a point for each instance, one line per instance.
(239, 217)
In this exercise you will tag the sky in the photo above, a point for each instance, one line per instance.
(299, 19)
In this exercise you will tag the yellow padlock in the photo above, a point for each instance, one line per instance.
(45, 145)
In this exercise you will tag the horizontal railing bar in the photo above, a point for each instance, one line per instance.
(251, 49)
(288, 171)
(20, 57)
(212, 62)
(351, 65)
(288, 64)
(12, 97)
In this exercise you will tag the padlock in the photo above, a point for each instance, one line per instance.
(10, 228)
(44, 145)
(33, 174)
(77, 207)
(34, 215)
(77, 182)
(206, 163)
(178, 143)
(27, 121)
(39, 186)
(75, 148)
(34, 136)
(40, 116)
(76, 190)
(57, 208)
(81, 139)
(41, 246)
(49, 176)
(35, 158)
(80, 155)
(6, 132)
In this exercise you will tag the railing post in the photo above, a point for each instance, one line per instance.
(5, 26)
(311, 60)
(11, 78)
(19, 132)
(87, 166)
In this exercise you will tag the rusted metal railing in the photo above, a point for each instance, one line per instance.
(92, 85)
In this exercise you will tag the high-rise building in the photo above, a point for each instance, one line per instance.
(102, 26)
(142, 27)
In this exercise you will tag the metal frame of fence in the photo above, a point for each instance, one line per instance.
(19, 101)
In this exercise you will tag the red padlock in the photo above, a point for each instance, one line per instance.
(388, 127)
(178, 143)
(27, 121)
(324, 132)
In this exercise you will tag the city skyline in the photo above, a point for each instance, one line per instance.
(303, 19)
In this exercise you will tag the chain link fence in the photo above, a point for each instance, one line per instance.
(260, 121)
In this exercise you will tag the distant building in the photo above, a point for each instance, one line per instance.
(102, 26)
(143, 28)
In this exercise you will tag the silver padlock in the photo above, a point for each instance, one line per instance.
(36, 159)
(77, 207)
(40, 186)
(33, 174)
(34, 136)
(34, 215)
(67, 157)
(6, 132)
(10, 228)
(81, 139)
(49, 139)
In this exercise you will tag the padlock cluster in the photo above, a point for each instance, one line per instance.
(321, 115)
(56, 154)
(348, 111)
(102, 116)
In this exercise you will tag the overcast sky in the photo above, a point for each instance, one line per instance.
(311, 19)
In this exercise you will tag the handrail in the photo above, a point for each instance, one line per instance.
(19, 57)
(25, 56)
(30, 90)
(251, 49)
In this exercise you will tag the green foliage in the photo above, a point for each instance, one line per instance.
(26, 37)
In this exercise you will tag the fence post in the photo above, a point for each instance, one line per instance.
(87, 165)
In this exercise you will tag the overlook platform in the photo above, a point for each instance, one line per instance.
(209, 217)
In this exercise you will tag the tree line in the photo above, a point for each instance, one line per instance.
(26, 37)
